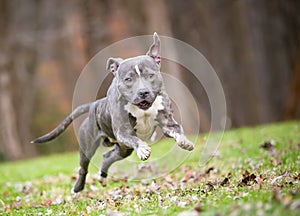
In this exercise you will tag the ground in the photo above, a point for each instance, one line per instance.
(255, 171)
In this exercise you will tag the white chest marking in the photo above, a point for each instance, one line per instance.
(137, 70)
(145, 119)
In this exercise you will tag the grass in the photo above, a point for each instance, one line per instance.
(255, 171)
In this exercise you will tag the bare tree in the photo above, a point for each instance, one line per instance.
(251, 45)
(18, 59)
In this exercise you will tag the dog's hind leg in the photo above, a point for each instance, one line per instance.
(84, 164)
(115, 154)
(88, 146)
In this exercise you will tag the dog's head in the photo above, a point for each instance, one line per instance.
(139, 79)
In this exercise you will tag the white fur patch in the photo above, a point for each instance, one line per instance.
(145, 119)
(137, 70)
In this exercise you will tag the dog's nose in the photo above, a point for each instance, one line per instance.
(143, 93)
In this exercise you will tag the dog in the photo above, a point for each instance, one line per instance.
(136, 103)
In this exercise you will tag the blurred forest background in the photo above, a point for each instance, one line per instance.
(253, 45)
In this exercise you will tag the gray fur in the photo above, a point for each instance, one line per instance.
(136, 103)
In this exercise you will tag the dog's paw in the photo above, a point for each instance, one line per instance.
(184, 143)
(74, 194)
(143, 151)
(103, 181)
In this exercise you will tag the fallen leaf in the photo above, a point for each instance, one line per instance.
(259, 180)
(48, 202)
(209, 186)
(293, 191)
(198, 207)
(286, 199)
(190, 175)
(273, 161)
(276, 179)
(268, 145)
(212, 170)
(185, 168)
(286, 173)
(94, 188)
(169, 180)
(8, 208)
(226, 180)
(209, 170)
(279, 161)
(247, 178)
(18, 199)
(246, 173)
(297, 177)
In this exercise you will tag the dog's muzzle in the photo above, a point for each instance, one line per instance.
(144, 99)
(144, 105)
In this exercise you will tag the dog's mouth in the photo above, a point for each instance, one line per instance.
(144, 105)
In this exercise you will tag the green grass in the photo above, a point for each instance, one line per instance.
(223, 186)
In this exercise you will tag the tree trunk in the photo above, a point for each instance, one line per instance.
(17, 73)
(8, 124)
(294, 92)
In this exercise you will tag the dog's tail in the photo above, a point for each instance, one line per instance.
(64, 124)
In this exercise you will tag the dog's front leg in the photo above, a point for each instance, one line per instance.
(142, 149)
(175, 131)
(172, 129)
(125, 134)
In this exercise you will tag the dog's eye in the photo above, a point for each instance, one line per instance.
(151, 76)
(128, 79)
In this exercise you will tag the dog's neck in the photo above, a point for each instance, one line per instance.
(145, 119)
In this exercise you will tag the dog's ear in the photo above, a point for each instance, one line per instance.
(112, 64)
(154, 50)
